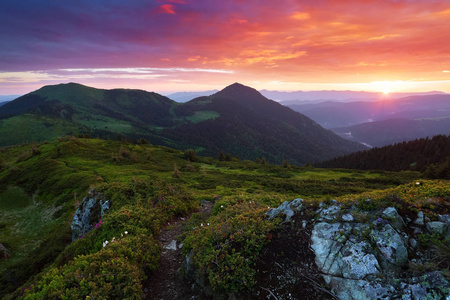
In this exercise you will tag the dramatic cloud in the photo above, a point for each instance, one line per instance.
(274, 44)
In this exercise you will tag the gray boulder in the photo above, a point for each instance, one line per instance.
(391, 245)
(88, 214)
(288, 208)
(397, 221)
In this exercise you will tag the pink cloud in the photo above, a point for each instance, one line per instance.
(167, 8)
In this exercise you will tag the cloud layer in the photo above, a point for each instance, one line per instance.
(187, 44)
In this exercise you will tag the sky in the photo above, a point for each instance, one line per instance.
(192, 45)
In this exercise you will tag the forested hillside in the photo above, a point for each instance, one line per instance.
(430, 155)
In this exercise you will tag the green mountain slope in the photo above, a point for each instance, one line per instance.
(238, 120)
(41, 186)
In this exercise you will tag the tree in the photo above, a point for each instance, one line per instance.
(221, 156)
(176, 172)
(190, 155)
(263, 161)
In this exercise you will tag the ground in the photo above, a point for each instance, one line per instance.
(287, 269)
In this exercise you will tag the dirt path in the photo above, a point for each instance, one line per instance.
(167, 282)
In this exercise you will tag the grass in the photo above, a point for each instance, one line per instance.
(200, 116)
(29, 128)
(39, 193)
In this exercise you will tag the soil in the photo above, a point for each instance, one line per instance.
(167, 282)
(287, 268)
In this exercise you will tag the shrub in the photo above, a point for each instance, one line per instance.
(226, 248)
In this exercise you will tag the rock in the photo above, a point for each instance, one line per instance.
(436, 227)
(347, 258)
(419, 221)
(397, 221)
(348, 217)
(4, 253)
(287, 208)
(394, 254)
(413, 243)
(105, 206)
(445, 219)
(329, 213)
(88, 214)
(171, 246)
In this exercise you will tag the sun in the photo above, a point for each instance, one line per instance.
(385, 87)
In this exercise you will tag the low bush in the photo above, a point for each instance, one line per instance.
(225, 248)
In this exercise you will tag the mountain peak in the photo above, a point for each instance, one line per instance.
(239, 92)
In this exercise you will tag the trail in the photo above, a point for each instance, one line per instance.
(166, 282)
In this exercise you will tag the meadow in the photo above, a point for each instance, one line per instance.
(41, 186)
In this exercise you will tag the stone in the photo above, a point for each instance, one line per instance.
(288, 208)
(445, 219)
(171, 246)
(397, 221)
(328, 213)
(346, 258)
(90, 212)
(393, 251)
(419, 221)
(105, 206)
(347, 217)
(436, 227)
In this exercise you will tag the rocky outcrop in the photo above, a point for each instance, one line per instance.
(89, 213)
(368, 255)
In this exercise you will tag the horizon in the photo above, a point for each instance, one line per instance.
(164, 46)
(377, 93)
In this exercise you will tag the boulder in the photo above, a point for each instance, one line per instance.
(288, 208)
(89, 214)
(436, 227)
(396, 220)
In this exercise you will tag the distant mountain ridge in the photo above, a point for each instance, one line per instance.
(238, 120)
(301, 97)
(188, 96)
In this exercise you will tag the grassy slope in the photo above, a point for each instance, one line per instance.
(40, 185)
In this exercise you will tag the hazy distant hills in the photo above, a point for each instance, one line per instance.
(187, 96)
(383, 122)
(6, 98)
(303, 97)
(238, 120)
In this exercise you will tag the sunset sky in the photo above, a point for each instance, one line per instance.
(192, 45)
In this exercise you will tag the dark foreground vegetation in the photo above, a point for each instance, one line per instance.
(41, 185)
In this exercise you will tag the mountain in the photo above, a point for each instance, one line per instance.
(240, 120)
(302, 97)
(187, 96)
(391, 131)
(237, 120)
(332, 114)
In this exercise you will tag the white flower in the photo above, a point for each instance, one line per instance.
(201, 224)
(126, 232)
(104, 244)
(221, 206)
(418, 183)
(207, 224)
